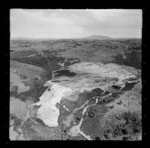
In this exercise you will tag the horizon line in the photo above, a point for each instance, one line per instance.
(15, 38)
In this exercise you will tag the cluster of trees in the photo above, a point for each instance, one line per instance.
(47, 61)
(130, 126)
(131, 44)
(22, 53)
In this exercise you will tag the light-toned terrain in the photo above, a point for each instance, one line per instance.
(48, 111)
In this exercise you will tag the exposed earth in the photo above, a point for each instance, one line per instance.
(75, 90)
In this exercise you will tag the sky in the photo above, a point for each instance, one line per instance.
(73, 23)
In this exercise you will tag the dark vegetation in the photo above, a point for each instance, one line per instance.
(17, 122)
(97, 138)
(134, 59)
(91, 95)
(103, 99)
(12, 117)
(14, 89)
(34, 93)
(28, 130)
(130, 126)
(13, 93)
(131, 44)
(129, 86)
(38, 120)
(116, 87)
(97, 91)
(22, 53)
(48, 62)
(131, 48)
(96, 111)
(109, 99)
(92, 113)
(64, 73)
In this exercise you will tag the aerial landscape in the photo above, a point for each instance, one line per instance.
(65, 86)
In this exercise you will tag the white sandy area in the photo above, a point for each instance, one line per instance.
(48, 111)
(103, 70)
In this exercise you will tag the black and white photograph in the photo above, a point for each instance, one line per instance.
(75, 74)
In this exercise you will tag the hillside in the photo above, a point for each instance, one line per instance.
(98, 37)
(75, 89)
(126, 52)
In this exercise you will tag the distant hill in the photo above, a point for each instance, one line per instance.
(93, 37)
(98, 37)
(102, 37)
